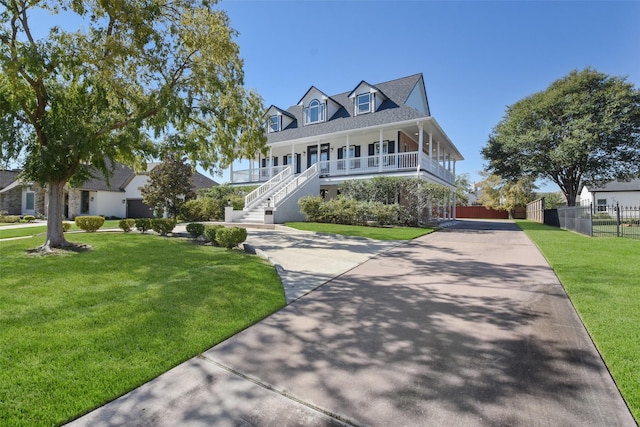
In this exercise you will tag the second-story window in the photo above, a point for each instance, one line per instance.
(363, 103)
(274, 123)
(314, 112)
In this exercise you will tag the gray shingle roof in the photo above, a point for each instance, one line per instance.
(123, 174)
(391, 111)
(633, 185)
(7, 177)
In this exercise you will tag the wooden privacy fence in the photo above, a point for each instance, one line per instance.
(480, 212)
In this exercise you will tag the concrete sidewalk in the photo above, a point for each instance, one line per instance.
(468, 326)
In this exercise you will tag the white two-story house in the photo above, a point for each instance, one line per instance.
(371, 130)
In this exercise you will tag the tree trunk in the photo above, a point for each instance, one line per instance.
(55, 235)
(571, 197)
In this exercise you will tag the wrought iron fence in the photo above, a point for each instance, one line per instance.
(616, 221)
(611, 221)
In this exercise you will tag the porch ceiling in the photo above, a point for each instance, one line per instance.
(410, 128)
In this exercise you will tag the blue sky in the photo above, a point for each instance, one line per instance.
(477, 57)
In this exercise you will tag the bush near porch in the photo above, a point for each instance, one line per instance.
(379, 201)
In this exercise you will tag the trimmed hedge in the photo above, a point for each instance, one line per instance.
(210, 233)
(89, 223)
(195, 229)
(66, 226)
(163, 226)
(143, 224)
(231, 237)
(126, 224)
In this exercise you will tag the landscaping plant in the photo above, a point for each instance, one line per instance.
(126, 224)
(230, 237)
(195, 229)
(89, 223)
(163, 226)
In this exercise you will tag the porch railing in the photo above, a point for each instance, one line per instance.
(257, 194)
(296, 183)
(365, 165)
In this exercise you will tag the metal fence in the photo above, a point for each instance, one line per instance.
(616, 221)
(608, 221)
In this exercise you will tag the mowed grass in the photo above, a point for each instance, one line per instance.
(17, 231)
(602, 278)
(80, 329)
(377, 233)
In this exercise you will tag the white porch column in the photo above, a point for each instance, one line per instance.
(293, 159)
(380, 154)
(421, 146)
(438, 159)
(231, 172)
(270, 162)
(346, 155)
(430, 151)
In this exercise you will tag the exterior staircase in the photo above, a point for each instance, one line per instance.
(273, 193)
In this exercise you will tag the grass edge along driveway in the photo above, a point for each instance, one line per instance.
(136, 305)
(601, 275)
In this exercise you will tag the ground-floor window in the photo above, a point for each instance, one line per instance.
(84, 202)
(602, 205)
(30, 201)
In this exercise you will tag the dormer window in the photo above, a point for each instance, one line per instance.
(274, 123)
(363, 103)
(315, 112)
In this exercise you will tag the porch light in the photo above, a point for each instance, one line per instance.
(269, 202)
(124, 201)
(228, 202)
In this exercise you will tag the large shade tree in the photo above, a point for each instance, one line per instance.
(127, 73)
(583, 129)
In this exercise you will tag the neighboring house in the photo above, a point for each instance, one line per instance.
(18, 197)
(604, 198)
(384, 129)
(120, 197)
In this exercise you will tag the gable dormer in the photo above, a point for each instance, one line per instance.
(366, 98)
(317, 107)
(278, 119)
(418, 97)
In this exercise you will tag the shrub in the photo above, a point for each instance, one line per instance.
(210, 233)
(126, 224)
(311, 207)
(230, 237)
(385, 214)
(10, 218)
(89, 223)
(143, 224)
(66, 226)
(29, 218)
(195, 229)
(163, 226)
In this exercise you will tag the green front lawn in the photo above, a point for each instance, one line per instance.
(377, 233)
(10, 232)
(80, 329)
(602, 278)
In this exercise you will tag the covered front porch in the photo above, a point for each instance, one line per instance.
(415, 146)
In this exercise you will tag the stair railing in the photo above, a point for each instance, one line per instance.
(296, 183)
(256, 195)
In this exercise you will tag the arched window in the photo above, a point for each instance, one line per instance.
(314, 112)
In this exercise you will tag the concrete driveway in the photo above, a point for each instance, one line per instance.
(465, 327)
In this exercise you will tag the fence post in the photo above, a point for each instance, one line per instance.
(591, 219)
(617, 219)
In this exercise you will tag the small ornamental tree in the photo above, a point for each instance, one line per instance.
(169, 186)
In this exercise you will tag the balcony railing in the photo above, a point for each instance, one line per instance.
(386, 163)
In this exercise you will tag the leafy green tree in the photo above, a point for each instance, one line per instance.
(584, 128)
(132, 71)
(170, 185)
(498, 193)
(553, 200)
(463, 189)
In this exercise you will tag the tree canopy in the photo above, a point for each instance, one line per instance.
(583, 129)
(170, 185)
(498, 193)
(131, 72)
